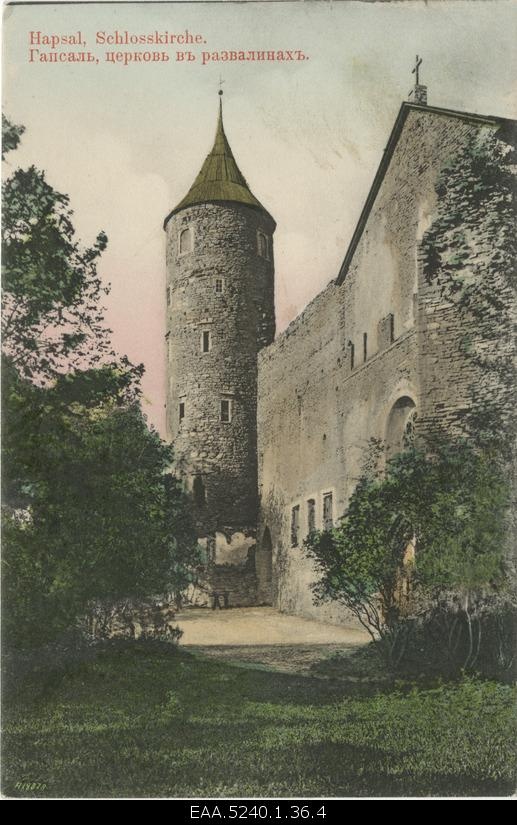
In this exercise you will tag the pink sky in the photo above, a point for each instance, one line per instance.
(127, 142)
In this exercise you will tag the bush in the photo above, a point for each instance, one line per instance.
(94, 517)
(420, 552)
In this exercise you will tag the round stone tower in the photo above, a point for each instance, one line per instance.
(220, 312)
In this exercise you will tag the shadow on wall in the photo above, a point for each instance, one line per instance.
(264, 569)
(400, 426)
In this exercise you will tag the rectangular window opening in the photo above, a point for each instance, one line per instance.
(311, 515)
(351, 353)
(226, 410)
(295, 525)
(182, 410)
(365, 346)
(205, 342)
(328, 518)
(219, 286)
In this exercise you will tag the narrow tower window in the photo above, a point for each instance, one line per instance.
(328, 518)
(206, 341)
(365, 346)
(311, 515)
(295, 525)
(182, 410)
(262, 244)
(219, 286)
(226, 410)
(391, 327)
(185, 241)
(351, 354)
(169, 295)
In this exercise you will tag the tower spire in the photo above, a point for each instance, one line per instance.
(219, 179)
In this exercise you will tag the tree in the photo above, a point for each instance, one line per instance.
(449, 505)
(11, 135)
(101, 519)
(91, 513)
(360, 562)
(461, 566)
(52, 318)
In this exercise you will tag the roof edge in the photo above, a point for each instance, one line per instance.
(256, 208)
(389, 149)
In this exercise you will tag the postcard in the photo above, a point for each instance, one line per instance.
(258, 342)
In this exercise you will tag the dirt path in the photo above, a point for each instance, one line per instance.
(263, 636)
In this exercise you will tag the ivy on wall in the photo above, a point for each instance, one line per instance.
(470, 252)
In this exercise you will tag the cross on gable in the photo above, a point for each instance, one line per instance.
(415, 71)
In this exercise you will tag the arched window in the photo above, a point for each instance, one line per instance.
(262, 244)
(400, 426)
(409, 430)
(185, 244)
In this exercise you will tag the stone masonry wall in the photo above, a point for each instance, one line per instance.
(327, 385)
(467, 310)
(217, 459)
(315, 439)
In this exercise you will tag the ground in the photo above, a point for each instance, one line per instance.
(220, 718)
(263, 636)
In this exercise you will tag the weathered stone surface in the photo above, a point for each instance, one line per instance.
(316, 413)
(222, 287)
(310, 409)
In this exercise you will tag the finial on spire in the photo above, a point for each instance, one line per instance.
(419, 93)
(220, 93)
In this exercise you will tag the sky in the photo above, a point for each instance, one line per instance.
(126, 142)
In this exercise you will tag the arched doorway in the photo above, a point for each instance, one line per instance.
(199, 492)
(400, 427)
(264, 568)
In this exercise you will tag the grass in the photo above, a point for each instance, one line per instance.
(148, 722)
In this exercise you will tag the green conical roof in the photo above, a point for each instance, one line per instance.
(220, 179)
